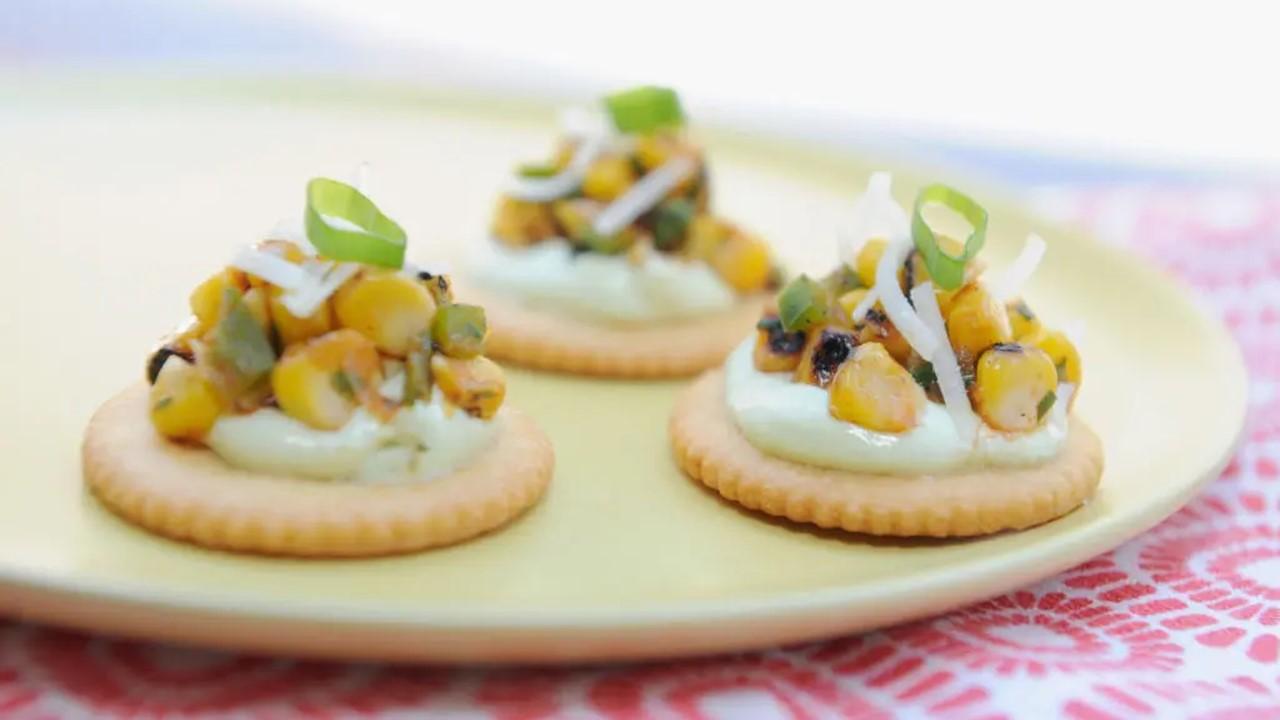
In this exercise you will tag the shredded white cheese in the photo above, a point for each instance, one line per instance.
(875, 215)
(563, 183)
(641, 197)
(895, 304)
(322, 279)
(270, 267)
(945, 366)
(1008, 285)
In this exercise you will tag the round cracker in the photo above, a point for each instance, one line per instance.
(188, 493)
(542, 340)
(711, 449)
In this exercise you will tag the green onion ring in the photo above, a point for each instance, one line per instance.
(947, 270)
(376, 238)
(645, 109)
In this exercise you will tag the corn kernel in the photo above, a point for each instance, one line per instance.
(293, 329)
(851, 300)
(477, 386)
(706, 234)
(1065, 357)
(825, 350)
(1022, 321)
(743, 262)
(322, 381)
(876, 327)
(608, 177)
(576, 215)
(206, 298)
(1013, 386)
(389, 309)
(185, 402)
(873, 391)
(976, 322)
(776, 349)
(867, 260)
(519, 223)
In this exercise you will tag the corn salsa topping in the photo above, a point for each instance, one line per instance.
(639, 187)
(328, 332)
(975, 347)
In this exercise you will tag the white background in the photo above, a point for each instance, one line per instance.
(1168, 82)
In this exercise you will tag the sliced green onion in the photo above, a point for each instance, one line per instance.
(345, 225)
(645, 109)
(1045, 404)
(239, 342)
(802, 304)
(946, 270)
(537, 170)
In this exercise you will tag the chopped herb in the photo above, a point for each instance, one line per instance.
(345, 384)
(670, 223)
(802, 304)
(924, 375)
(1061, 367)
(1045, 404)
(537, 170)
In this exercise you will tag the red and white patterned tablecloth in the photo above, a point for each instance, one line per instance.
(1184, 621)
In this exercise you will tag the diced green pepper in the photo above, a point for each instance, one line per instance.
(537, 170)
(645, 109)
(459, 330)
(802, 304)
(239, 343)
(417, 372)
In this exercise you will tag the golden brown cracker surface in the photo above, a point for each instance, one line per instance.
(547, 341)
(188, 493)
(710, 448)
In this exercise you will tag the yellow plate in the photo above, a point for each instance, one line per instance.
(116, 199)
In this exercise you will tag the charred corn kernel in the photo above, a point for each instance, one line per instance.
(1013, 386)
(293, 329)
(743, 262)
(1065, 357)
(776, 349)
(206, 299)
(576, 215)
(876, 327)
(851, 300)
(976, 322)
(459, 330)
(440, 287)
(608, 177)
(706, 234)
(321, 382)
(1022, 321)
(867, 260)
(519, 223)
(825, 350)
(476, 385)
(185, 402)
(389, 309)
(873, 391)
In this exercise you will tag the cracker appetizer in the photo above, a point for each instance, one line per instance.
(905, 393)
(324, 399)
(607, 259)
